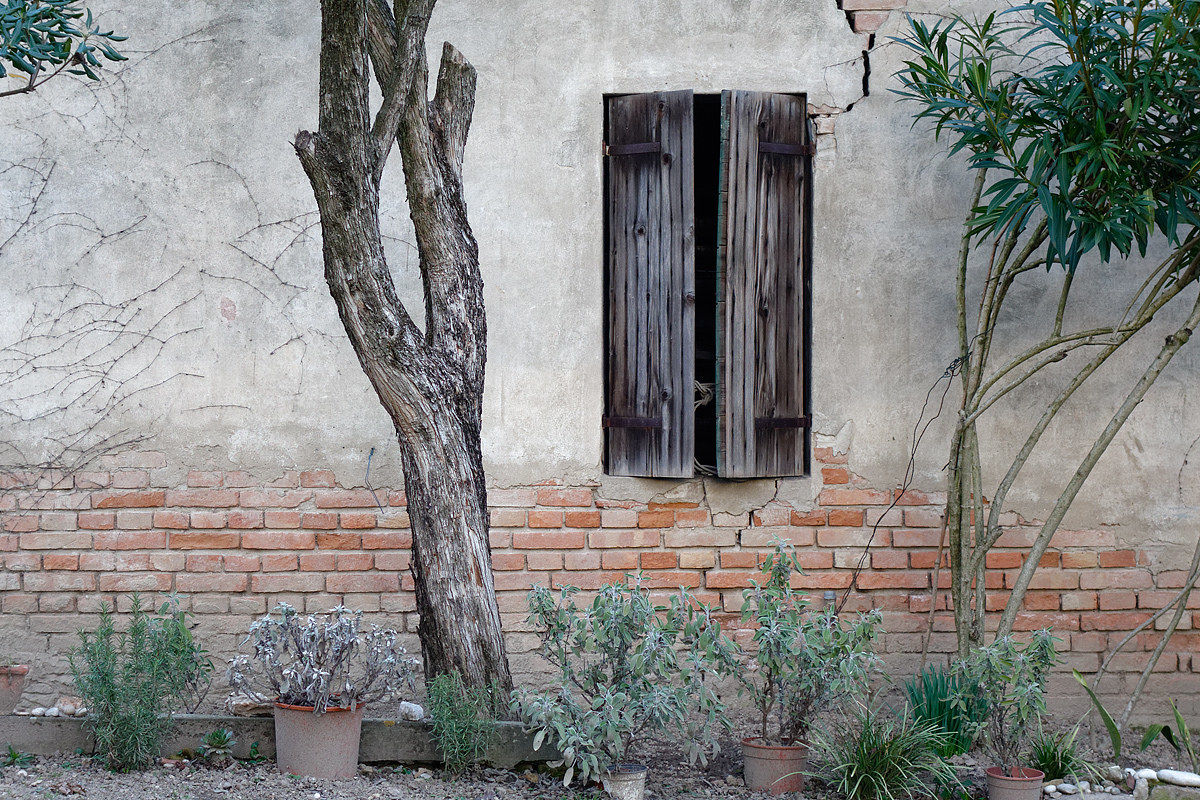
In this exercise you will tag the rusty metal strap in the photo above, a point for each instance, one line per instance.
(635, 149)
(779, 148)
(633, 422)
(772, 423)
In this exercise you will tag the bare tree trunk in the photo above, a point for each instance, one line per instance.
(431, 382)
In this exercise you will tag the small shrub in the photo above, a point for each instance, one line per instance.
(217, 746)
(15, 758)
(627, 670)
(878, 756)
(134, 681)
(1057, 755)
(462, 720)
(321, 660)
(805, 660)
(933, 698)
(1180, 737)
(1011, 680)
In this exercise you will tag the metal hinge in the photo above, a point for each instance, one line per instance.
(779, 148)
(635, 149)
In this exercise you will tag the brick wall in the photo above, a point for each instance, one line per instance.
(233, 547)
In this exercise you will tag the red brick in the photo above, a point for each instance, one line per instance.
(852, 538)
(397, 519)
(923, 517)
(339, 540)
(814, 560)
(639, 537)
(63, 581)
(845, 517)
(278, 562)
(396, 562)
(815, 518)
(619, 559)
(577, 498)
(504, 562)
(1112, 600)
(97, 520)
(545, 518)
(205, 480)
(134, 582)
(730, 579)
(346, 498)
(520, 498)
(1079, 560)
(738, 560)
(587, 581)
(281, 519)
(1043, 601)
(771, 516)
(57, 540)
(128, 499)
(892, 580)
(835, 475)
(664, 518)
(1032, 621)
(357, 521)
(828, 455)
(351, 582)
(507, 517)
(1118, 558)
(130, 540)
(245, 520)
(537, 540)
(278, 540)
(1080, 601)
(889, 559)
(290, 582)
(258, 498)
(325, 521)
(520, 581)
(204, 540)
(583, 519)
(659, 560)
(134, 520)
(1112, 620)
(209, 519)
(60, 561)
(238, 562)
(212, 582)
(386, 540)
(619, 518)
(317, 478)
(21, 523)
(1123, 579)
(202, 498)
(544, 560)
(691, 517)
(355, 562)
(318, 562)
(178, 520)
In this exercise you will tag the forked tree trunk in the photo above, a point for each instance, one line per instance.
(430, 382)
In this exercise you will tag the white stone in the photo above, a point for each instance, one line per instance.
(1114, 772)
(1050, 788)
(1068, 788)
(410, 711)
(1141, 789)
(1147, 774)
(1085, 786)
(53, 712)
(1179, 777)
(38, 712)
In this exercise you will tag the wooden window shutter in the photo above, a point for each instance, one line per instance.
(650, 276)
(763, 262)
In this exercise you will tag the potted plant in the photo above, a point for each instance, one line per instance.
(804, 659)
(627, 669)
(319, 671)
(12, 683)
(1009, 681)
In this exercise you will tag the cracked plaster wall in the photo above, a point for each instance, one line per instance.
(174, 183)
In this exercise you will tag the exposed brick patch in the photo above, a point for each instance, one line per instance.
(233, 547)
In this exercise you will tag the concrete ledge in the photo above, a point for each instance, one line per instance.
(382, 740)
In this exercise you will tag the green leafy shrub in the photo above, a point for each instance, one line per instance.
(462, 720)
(627, 669)
(804, 659)
(933, 698)
(878, 756)
(1011, 680)
(42, 37)
(1058, 756)
(133, 681)
(217, 746)
(15, 758)
(1180, 737)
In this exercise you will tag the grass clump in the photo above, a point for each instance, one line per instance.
(950, 703)
(462, 720)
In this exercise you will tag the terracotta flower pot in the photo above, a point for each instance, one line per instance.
(317, 745)
(12, 683)
(625, 782)
(774, 768)
(1022, 783)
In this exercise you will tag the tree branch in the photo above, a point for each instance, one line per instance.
(453, 105)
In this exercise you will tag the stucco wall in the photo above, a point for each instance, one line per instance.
(168, 200)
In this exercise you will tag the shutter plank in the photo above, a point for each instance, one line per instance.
(651, 275)
(761, 392)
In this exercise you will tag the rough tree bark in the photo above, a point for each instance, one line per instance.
(431, 382)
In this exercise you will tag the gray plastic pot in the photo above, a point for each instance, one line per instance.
(317, 745)
(12, 684)
(1022, 783)
(774, 768)
(625, 782)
